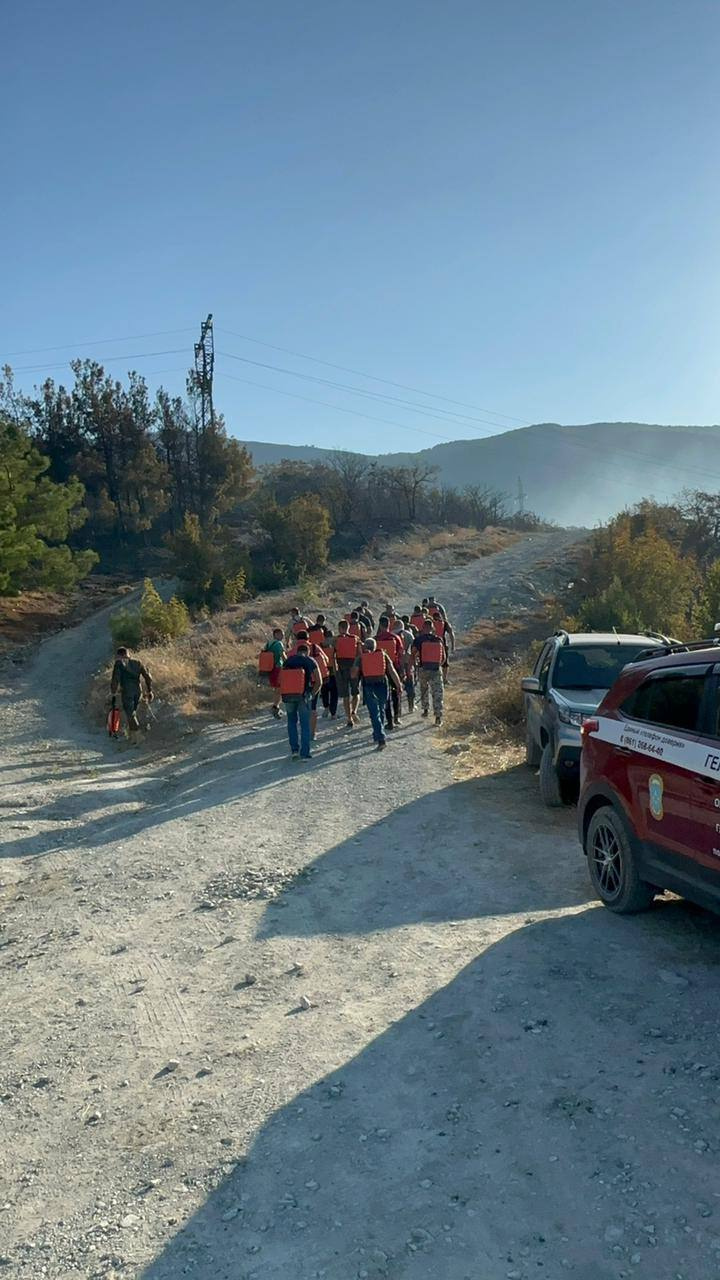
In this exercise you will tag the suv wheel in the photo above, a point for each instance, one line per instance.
(532, 749)
(612, 864)
(550, 788)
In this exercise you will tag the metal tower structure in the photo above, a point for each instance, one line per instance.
(203, 377)
(521, 497)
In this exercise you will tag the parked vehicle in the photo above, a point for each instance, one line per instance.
(571, 677)
(649, 811)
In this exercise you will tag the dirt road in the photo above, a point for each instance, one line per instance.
(493, 1079)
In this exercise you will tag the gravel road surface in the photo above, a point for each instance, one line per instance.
(358, 1019)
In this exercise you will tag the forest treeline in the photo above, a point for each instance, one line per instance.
(103, 473)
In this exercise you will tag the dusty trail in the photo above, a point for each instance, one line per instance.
(495, 1078)
(503, 583)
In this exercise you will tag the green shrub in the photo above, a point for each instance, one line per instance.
(270, 576)
(233, 588)
(637, 582)
(160, 621)
(300, 534)
(177, 618)
(154, 622)
(126, 628)
(208, 565)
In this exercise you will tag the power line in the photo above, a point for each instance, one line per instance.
(338, 408)
(64, 364)
(97, 342)
(448, 416)
(601, 475)
(401, 386)
(571, 442)
(442, 415)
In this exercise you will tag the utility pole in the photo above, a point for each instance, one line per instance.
(200, 382)
(203, 377)
(521, 497)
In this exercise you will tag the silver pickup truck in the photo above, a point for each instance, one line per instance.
(571, 677)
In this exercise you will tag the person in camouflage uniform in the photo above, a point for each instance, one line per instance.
(126, 676)
(430, 654)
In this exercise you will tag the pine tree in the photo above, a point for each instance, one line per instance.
(36, 518)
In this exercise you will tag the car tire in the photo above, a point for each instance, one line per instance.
(550, 786)
(533, 750)
(612, 864)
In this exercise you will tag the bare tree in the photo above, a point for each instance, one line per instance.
(352, 470)
(410, 482)
(701, 512)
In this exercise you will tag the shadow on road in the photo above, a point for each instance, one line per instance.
(233, 765)
(489, 842)
(542, 1114)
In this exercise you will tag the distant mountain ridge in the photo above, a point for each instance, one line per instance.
(572, 474)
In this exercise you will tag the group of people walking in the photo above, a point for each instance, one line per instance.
(309, 665)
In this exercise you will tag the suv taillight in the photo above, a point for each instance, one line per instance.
(588, 727)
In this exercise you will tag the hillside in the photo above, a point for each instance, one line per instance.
(572, 474)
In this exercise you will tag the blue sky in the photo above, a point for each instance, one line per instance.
(514, 205)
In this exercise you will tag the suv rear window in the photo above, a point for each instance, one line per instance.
(671, 700)
(715, 715)
(592, 666)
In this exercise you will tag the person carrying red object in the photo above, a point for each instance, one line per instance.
(270, 663)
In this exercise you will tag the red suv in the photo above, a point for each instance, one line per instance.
(649, 812)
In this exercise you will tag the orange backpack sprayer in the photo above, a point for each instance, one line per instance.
(113, 720)
(266, 662)
(346, 647)
(372, 665)
(387, 646)
(432, 654)
(318, 655)
(292, 682)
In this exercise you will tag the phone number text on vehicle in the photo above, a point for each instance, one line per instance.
(648, 746)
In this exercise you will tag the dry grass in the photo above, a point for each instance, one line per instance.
(209, 675)
(484, 724)
(501, 700)
(448, 547)
(485, 697)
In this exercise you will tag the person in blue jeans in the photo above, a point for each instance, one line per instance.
(300, 680)
(376, 668)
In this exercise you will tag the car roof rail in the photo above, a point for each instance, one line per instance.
(658, 635)
(657, 651)
(676, 646)
(565, 635)
(712, 643)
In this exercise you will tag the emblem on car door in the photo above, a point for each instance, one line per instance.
(655, 787)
